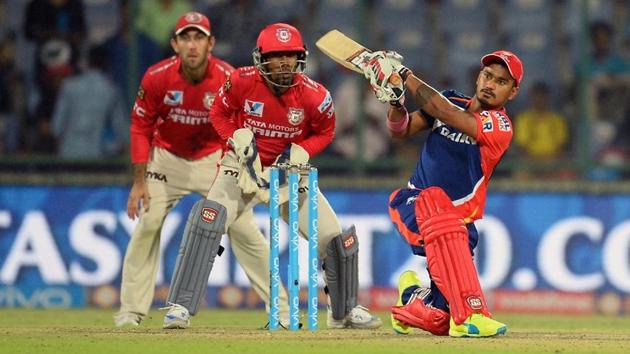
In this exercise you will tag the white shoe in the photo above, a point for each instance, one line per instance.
(127, 319)
(359, 318)
(176, 317)
(333, 323)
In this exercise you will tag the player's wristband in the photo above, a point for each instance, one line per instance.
(399, 126)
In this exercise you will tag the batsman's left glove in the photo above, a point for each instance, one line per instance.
(384, 73)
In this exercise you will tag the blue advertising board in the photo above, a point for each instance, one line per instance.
(58, 241)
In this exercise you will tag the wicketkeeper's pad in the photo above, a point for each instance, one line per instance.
(448, 254)
(199, 247)
(342, 272)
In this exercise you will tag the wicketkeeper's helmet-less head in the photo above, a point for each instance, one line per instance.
(279, 37)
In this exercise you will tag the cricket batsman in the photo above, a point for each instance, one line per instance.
(447, 190)
(270, 112)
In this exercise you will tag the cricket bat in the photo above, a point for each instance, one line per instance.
(344, 50)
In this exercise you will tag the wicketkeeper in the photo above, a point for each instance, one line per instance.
(270, 112)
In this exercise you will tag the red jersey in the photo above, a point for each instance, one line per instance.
(172, 113)
(304, 114)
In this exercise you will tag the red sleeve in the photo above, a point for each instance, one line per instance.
(494, 131)
(322, 124)
(223, 109)
(144, 116)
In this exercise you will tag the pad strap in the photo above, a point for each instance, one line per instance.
(342, 272)
(448, 254)
(200, 245)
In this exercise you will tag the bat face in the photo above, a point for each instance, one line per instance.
(344, 50)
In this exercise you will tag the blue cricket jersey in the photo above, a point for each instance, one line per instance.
(457, 163)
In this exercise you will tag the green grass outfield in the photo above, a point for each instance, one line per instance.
(221, 331)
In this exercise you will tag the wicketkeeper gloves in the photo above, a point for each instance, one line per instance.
(250, 175)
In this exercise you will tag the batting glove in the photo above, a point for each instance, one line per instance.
(384, 73)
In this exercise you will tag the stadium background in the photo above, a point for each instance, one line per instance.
(556, 236)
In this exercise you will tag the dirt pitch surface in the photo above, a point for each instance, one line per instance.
(220, 331)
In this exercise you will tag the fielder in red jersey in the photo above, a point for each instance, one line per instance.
(175, 151)
(171, 112)
(272, 112)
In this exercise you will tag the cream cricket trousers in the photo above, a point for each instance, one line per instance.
(182, 177)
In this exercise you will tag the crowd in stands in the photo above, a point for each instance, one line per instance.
(69, 69)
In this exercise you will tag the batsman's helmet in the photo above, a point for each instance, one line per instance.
(279, 37)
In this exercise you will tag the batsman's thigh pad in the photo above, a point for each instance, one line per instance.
(342, 272)
(200, 245)
(448, 254)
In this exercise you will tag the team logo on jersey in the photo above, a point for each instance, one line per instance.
(283, 35)
(254, 108)
(330, 112)
(295, 115)
(504, 122)
(141, 93)
(327, 102)
(208, 98)
(227, 85)
(486, 121)
(174, 98)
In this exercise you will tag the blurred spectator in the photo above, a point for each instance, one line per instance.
(57, 28)
(11, 97)
(540, 132)
(609, 102)
(154, 25)
(355, 104)
(117, 47)
(88, 108)
(604, 58)
(236, 25)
